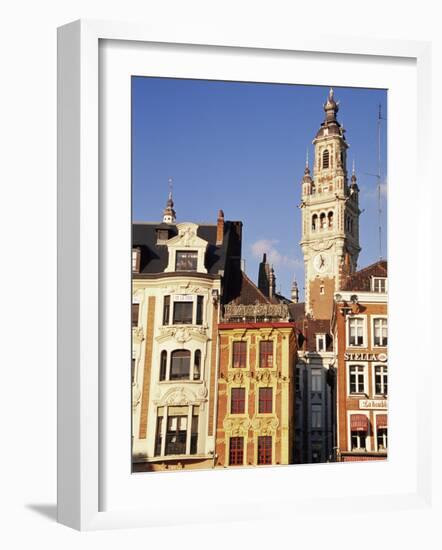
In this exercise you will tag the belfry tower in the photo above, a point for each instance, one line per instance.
(330, 216)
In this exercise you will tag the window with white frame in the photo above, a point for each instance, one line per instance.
(357, 379)
(135, 260)
(316, 380)
(379, 284)
(321, 344)
(186, 260)
(358, 441)
(382, 439)
(359, 430)
(381, 379)
(356, 331)
(178, 434)
(380, 332)
(316, 417)
(183, 365)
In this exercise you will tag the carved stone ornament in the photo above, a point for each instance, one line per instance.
(236, 426)
(236, 377)
(269, 311)
(136, 396)
(203, 391)
(183, 334)
(321, 245)
(264, 376)
(178, 396)
(265, 426)
(137, 334)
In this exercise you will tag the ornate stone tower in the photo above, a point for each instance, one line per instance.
(330, 216)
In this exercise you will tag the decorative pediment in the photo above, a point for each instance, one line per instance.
(182, 395)
(187, 237)
(178, 396)
(187, 240)
(182, 335)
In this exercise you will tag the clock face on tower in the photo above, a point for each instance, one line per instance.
(321, 262)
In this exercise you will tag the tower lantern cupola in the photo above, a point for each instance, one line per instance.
(169, 215)
(295, 292)
(331, 107)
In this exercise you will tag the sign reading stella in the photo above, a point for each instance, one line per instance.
(382, 357)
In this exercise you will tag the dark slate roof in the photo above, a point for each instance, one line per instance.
(307, 330)
(333, 127)
(297, 311)
(246, 292)
(361, 280)
(154, 257)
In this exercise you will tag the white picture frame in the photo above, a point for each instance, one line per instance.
(84, 208)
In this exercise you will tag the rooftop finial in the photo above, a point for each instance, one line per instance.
(306, 169)
(331, 107)
(169, 215)
(353, 168)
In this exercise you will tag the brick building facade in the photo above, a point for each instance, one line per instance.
(360, 330)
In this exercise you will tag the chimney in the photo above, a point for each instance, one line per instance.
(264, 275)
(220, 228)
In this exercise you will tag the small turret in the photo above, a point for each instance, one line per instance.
(169, 214)
(272, 283)
(331, 107)
(295, 292)
(353, 185)
(307, 182)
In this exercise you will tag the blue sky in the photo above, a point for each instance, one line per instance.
(242, 147)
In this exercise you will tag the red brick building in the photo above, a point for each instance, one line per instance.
(360, 330)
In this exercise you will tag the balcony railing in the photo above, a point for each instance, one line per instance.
(256, 313)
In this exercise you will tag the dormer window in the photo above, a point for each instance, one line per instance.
(187, 251)
(186, 261)
(379, 284)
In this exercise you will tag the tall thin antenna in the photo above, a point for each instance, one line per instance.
(378, 175)
(170, 183)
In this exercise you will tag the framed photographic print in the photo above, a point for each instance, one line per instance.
(230, 281)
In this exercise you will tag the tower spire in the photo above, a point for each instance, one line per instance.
(169, 214)
(331, 107)
(295, 291)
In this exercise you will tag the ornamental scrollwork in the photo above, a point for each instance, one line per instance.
(183, 334)
(137, 334)
(136, 396)
(236, 426)
(265, 426)
(256, 311)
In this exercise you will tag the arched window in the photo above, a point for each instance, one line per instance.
(313, 189)
(322, 221)
(180, 365)
(330, 219)
(197, 365)
(314, 222)
(163, 365)
(325, 159)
